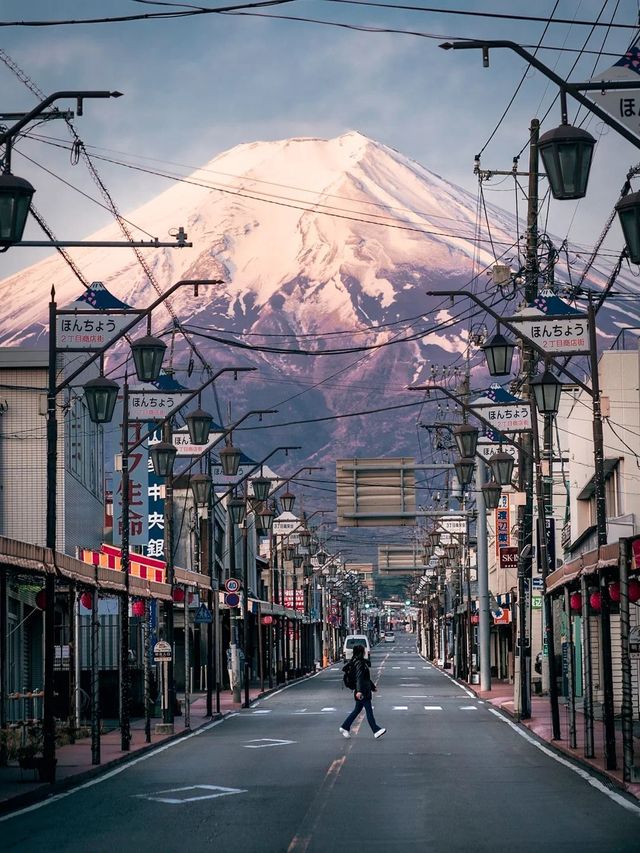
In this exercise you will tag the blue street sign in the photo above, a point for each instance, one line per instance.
(203, 615)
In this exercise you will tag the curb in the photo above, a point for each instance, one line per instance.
(557, 746)
(45, 791)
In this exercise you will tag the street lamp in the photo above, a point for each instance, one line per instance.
(148, 353)
(501, 465)
(305, 538)
(466, 437)
(163, 455)
(101, 394)
(464, 470)
(264, 516)
(547, 389)
(201, 488)
(261, 487)
(491, 493)
(499, 354)
(230, 460)
(628, 210)
(237, 510)
(15, 201)
(199, 426)
(287, 500)
(567, 152)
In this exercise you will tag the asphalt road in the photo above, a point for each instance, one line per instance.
(450, 774)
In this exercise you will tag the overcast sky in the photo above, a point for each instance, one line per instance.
(197, 86)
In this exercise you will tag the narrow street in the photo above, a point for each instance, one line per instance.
(450, 774)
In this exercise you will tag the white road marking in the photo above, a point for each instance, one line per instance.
(433, 707)
(468, 707)
(580, 771)
(335, 669)
(261, 712)
(395, 667)
(400, 708)
(262, 742)
(116, 770)
(328, 709)
(219, 792)
(421, 696)
(411, 667)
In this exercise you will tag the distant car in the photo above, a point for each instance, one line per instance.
(356, 640)
(389, 637)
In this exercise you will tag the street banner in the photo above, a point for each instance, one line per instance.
(285, 524)
(149, 404)
(503, 410)
(182, 441)
(553, 325)
(486, 449)
(509, 557)
(503, 523)
(90, 322)
(138, 492)
(623, 105)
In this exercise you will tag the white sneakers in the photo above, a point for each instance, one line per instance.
(379, 733)
(344, 732)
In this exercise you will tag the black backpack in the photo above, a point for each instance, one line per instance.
(349, 674)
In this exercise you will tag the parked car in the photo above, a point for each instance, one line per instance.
(389, 637)
(356, 640)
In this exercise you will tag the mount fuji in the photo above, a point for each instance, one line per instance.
(326, 249)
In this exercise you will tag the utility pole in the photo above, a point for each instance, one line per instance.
(484, 649)
(169, 711)
(525, 514)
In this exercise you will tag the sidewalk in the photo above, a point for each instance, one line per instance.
(21, 787)
(501, 697)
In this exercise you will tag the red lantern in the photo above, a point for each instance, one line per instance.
(614, 591)
(86, 600)
(41, 600)
(177, 593)
(575, 601)
(634, 590)
(267, 620)
(595, 600)
(137, 608)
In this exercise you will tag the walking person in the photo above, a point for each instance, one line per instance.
(359, 676)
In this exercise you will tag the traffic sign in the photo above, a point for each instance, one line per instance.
(267, 620)
(232, 599)
(232, 585)
(203, 615)
(162, 651)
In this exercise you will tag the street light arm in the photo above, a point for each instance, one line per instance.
(255, 468)
(308, 468)
(573, 89)
(514, 331)
(13, 131)
(141, 314)
(190, 397)
(471, 410)
(224, 434)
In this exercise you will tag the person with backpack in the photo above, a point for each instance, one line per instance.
(357, 678)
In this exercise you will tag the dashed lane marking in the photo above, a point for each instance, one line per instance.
(328, 709)
(400, 708)
(433, 707)
(468, 707)
(262, 742)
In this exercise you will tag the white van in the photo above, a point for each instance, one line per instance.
(356, 640)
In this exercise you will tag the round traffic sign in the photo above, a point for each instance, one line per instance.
(232, 599)
(232, 585)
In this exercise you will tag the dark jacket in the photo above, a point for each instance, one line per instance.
(364, 684)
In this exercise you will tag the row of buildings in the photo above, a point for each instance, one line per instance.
(294, 602)
(597, 647)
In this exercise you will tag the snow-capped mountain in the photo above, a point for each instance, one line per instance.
(323, 246)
